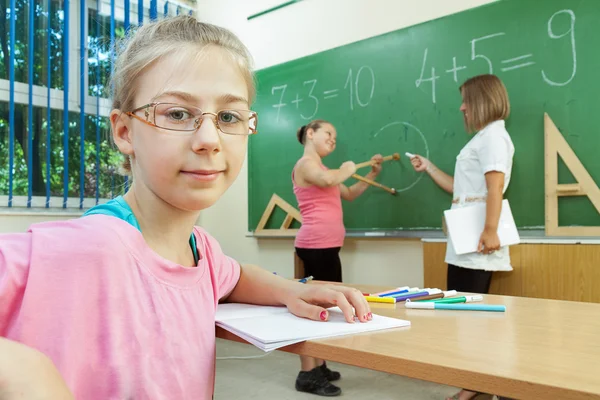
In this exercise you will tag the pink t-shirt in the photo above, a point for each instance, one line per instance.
(119, 321)
(322, 216)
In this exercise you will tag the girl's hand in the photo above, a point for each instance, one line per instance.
(311, 300)
(376, 168)
(348, 167)
(488, 243)
(420, 163)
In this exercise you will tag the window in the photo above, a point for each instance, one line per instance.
(55, 145)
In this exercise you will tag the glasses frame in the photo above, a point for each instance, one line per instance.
(197, 122)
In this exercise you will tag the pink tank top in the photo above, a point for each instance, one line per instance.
(322, 216)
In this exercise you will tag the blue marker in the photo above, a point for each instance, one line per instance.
(304, 280)
(399, 292)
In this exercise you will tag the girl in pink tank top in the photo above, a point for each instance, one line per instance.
(322, 217)
(319, 192)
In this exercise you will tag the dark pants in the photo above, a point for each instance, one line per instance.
(468, 280)
(322, 264)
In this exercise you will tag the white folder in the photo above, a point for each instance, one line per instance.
(465, 225)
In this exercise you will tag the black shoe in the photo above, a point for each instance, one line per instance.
(329, 374)
(315, 382)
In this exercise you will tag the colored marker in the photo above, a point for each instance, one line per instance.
(376, 299)
(418, 294)
(421, 292)
(451, 300)
(427, 297)
(391, 291)
(304, 280)
(397, 293)
(460, 307)
(445, 295)
(461, 299)
(405, 291)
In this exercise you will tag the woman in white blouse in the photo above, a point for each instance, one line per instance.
(482, 173)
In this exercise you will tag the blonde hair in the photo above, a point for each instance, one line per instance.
(159, 39)
(486, 99)
(314, 125)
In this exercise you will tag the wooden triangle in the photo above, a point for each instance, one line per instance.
(556, 145)
(292, 214)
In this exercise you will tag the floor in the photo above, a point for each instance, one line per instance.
(272, 376)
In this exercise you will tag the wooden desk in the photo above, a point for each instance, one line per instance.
(537, 349)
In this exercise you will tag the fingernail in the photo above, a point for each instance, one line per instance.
(370, 315)
(323, 315)
(365, 317)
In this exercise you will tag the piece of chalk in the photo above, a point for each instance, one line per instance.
(409, 155)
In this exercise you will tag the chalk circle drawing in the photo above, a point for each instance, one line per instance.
(410, 135)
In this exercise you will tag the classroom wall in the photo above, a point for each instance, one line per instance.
(285, 35)
(276, 38)
(16, 221)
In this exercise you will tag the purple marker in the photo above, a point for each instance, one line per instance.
(423, 293)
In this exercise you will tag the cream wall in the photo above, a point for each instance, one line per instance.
(17, 221)
(279, 37)
(285, 35)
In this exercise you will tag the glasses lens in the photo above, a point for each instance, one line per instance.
(237, 122)
(176, 117)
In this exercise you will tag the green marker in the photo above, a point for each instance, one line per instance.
(452, 300)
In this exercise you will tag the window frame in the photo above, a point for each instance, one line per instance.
(40, 93)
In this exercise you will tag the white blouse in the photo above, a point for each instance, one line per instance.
(491, 149)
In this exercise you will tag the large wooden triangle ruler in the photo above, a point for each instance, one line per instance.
(555, 146)
(292, 214)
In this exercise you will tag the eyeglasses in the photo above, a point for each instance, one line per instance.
(183, 118)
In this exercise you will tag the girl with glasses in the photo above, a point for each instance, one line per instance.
(120, 304)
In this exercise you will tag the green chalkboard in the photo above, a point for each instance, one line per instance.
(398, 92)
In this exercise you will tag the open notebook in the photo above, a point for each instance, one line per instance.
(270, 328)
